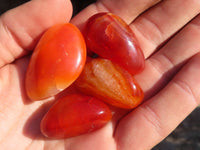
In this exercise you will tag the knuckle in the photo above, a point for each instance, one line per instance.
(187, 89)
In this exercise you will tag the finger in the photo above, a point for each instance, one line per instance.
(129, 9)
(161, 66)
(21, 27)
(160, 22)
(155, 119)
(20, 118)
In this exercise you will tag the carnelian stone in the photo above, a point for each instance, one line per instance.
(56, 62)
(110, 37)
(111, 83)
(74, 115)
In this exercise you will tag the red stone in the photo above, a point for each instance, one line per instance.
(110, 37)
(57, 61)
(111, 83)
(74, 115)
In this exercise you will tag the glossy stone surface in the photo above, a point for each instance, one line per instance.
(110, 37)
(74, 115)
(56, 62)
(111, 83)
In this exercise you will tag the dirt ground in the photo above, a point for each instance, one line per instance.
(187, 134)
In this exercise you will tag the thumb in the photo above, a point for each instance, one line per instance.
(21, 27)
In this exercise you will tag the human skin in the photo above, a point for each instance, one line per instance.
(170, 79)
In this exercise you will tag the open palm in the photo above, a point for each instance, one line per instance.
(170, 79)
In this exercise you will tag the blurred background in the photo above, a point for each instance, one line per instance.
(187, 134)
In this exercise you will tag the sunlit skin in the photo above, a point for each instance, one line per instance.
(74, 115)
(110, 37)
(111, 83)
(56, 62)
(167, 65)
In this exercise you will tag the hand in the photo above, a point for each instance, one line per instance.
(170, 79)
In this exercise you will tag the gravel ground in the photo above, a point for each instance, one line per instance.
(187, 134)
